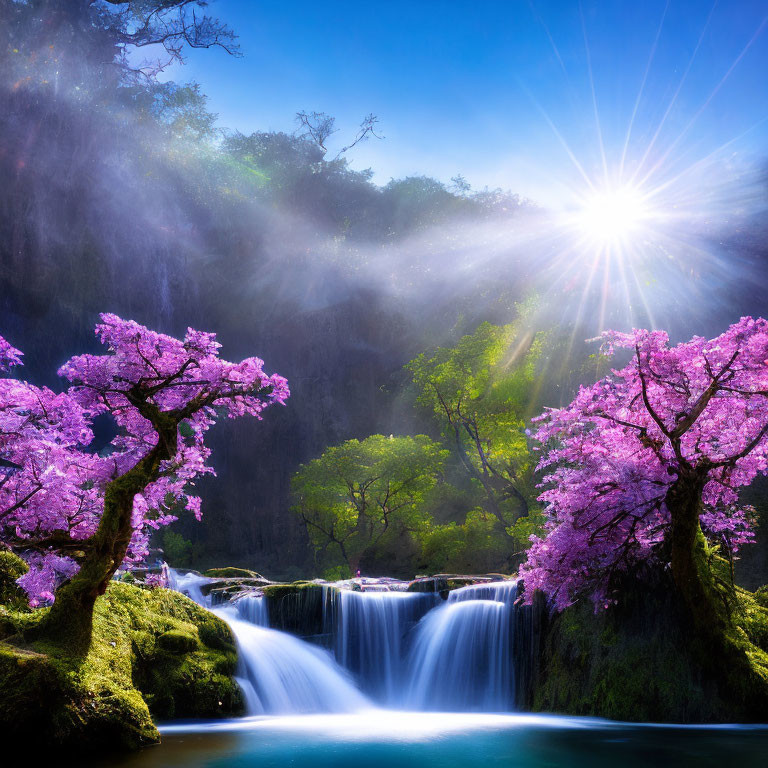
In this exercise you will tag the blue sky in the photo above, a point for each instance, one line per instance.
(484, 88)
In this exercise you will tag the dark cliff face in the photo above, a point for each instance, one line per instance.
(336, 360)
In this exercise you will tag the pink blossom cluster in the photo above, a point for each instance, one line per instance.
(52, 486)
(9, 356)
(611, 457)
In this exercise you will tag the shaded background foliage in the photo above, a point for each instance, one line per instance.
(120, 193)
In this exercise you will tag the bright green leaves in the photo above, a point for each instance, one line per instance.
(358, 494)
(479, 392)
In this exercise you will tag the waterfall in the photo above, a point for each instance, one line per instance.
(253, 608)
(500, 591)
(280, 674)
(370, 637)
(189, 584)
(461, 657)
(403, 649)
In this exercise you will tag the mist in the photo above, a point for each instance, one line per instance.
(122, 194)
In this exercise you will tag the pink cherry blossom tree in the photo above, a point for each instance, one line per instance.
(646, 465)
(77, 515)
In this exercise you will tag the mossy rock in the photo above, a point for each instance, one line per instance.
(154, 653)
(232, 573)
(761, 596)
(52, 698)
(223, 589)
(178, 641)
(429, 584)
(457, 582)
(636, 662)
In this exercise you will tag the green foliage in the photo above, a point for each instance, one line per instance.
(177, 549)
(358, 494)
(480, 393)
(477, 545)
(524, 527)
(337, 573)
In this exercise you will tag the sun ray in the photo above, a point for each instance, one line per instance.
(642, 89)
(594, 95)
(561, 139)
(703, 161)
(672, 102)
(662, 160)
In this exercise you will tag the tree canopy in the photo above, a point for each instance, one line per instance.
(648, 458)
(77, 514)
(479, 392)
(359, 493)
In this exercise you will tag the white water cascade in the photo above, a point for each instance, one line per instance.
(189, 584)
(500, 591)
(279, 673)
(461, 659)
(253, 608)
(371, 635)
(404, 650)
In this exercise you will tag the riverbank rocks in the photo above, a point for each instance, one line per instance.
(154, 653)
(429, 584)
(232, 573)
(222, 590)
(443, 583)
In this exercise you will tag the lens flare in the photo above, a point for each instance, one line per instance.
(608, 217)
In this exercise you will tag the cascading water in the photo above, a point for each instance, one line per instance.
(461, 657)
(189, 584)
(370, 638)
(280, 674)
(500, 591)
(404, 649)
(253, 609)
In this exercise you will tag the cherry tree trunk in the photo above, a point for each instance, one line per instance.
(688, 556)
(711, 636)
(70, 619)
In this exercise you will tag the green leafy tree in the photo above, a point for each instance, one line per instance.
(479, 391)
(358, 495)
(477, 545)
(180, 552)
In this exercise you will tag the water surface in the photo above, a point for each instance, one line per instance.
(384, 739)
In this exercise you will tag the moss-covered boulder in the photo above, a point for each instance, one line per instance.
(12, 567)
(636, 662)
(229, 572)
(178, 641)
(154, 653)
